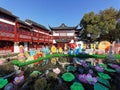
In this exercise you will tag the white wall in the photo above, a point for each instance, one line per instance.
(63, 34)
(25, 46)
(16, 48)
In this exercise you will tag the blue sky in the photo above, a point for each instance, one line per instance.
(55, 12)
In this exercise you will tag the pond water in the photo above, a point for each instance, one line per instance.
(89, 73)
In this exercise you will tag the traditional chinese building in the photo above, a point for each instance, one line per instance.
(14, 32)
(40, 35)
(7, 31)
(23, 35)
(63, 34)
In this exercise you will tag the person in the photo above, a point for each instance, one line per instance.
(79, 50)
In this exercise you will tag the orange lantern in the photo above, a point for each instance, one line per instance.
(104, 45)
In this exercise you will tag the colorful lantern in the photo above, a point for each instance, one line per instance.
(104, 45)
(68, 77)
(3, 82)
(73, 45)
(53, 61)
(18, 80)
(71, 68)
(19, 77)
(56, 70)
(53, 49)
(88, 79)
(60, 50)
(76, 86)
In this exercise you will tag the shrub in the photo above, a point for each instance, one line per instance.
(40, 84)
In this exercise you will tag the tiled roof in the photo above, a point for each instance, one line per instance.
(36, 24)
(63, 27)
(22, 22)
(2, 10)
(63, 40)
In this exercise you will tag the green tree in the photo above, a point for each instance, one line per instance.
(90, 25)
(117, 33)
(108, 20)
(103, 24)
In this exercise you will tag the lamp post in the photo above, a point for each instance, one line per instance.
(88, 40)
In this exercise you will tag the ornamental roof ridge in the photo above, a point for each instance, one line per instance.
(63, 25)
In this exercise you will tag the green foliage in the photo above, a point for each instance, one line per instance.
(40, 84)
(110, 70)
(52, 74)
(103, 65)
(90, 24)
(104, 76)
(3, 82)
(76, 86)
(104, 81)
(99, 86)
(102, 24)
(6, 69)
(68, 76)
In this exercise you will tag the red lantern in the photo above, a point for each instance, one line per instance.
(73, 45)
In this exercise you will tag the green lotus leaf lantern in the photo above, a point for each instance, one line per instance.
(103, 75)
(76, 86)
(35, 73)
(104, 81)
(103, 65)
(3, 82)
(71, 68)
(99, 86)
(68, 76)
(110, 70)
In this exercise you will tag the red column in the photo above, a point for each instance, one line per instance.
(15, 31)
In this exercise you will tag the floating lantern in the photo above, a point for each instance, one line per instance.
(35, 73)
(68, 77)
(53, 61)
(71, 68)
(87, 78)
(56, 70)
(76, 86)
(19, 78)
(3, 82)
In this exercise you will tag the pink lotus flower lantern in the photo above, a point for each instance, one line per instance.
(56, 70)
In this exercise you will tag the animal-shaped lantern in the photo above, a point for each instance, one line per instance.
(53, 49)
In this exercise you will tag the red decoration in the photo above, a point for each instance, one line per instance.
(73, 45)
